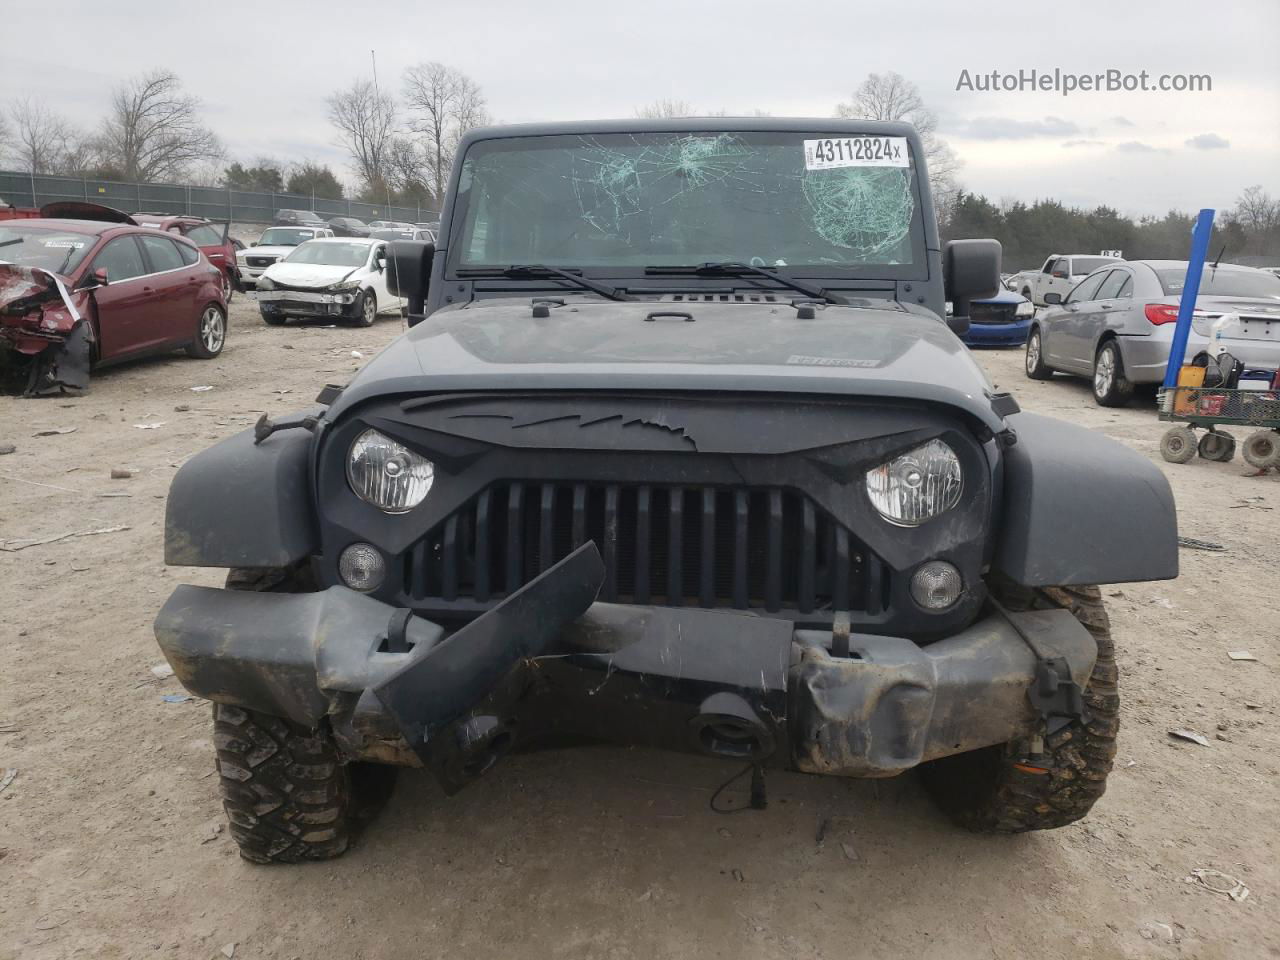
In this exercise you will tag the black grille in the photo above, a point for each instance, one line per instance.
(769, 549)
(260, 261)
(992, 312)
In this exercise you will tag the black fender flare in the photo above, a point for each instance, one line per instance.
(1081, 508)
(241, 504)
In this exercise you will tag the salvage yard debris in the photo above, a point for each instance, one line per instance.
(13, 546)
(6, 777)
(1241, 655)
(1217, 882)
(54, 432)
(1190, 735)
(1193, 544)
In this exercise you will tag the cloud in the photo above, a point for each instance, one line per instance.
(1123, 122)
(1082, 143)
(1208, 141)
(1136, 146)
(1006, 128)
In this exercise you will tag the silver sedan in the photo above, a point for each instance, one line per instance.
(1115, 326)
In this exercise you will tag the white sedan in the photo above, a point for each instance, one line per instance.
(331, 277)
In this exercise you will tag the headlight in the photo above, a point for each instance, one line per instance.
(919, 485)
(265, 283)
(387, 474)
(345, 285)
(1025, 309)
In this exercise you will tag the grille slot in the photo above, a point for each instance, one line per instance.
(992, 312)
(769, 549)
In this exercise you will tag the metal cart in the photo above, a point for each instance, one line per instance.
(1212, 407)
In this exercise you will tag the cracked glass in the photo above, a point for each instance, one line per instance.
(680, 199)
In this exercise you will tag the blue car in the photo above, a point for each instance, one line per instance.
(1000, 321)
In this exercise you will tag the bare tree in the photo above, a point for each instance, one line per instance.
(443, 103)
(891, 96)
(153, 131)
(665, 110)
(366, 123)
(41, 137)
(1256, 211)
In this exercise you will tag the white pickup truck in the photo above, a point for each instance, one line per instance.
(1061, 272)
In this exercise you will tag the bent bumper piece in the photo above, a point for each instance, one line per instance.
(549, 665)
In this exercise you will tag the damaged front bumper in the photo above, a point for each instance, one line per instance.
(39, 318)
(309, 303)
(550, 664)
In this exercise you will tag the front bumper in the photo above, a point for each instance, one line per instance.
(549, 664)
(308, 303)
(998, 334)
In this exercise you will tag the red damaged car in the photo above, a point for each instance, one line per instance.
(76, 294)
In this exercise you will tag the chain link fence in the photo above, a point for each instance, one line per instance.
(245, 206)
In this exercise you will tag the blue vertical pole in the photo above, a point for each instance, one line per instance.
(1190, 291)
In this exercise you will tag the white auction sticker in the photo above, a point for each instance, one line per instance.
(856, 152)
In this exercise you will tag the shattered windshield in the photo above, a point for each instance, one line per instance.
(680, 198)
(58, 251)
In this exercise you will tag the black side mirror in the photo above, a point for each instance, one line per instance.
(409, 272)
(971, 271)
(1053, 299)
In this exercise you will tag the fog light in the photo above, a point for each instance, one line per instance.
(361, 567)
(936, 585)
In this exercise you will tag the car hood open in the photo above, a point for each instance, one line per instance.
(591, 344)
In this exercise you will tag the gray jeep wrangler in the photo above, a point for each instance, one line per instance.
(680, 452)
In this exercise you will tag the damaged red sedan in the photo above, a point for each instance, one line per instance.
(78, 294)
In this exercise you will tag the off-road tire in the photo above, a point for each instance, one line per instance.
(1111, 388)
(1262, 449)
(1002, 790)
(1178, 445)
(1034, 360)
(1217, 445)
(286, 792)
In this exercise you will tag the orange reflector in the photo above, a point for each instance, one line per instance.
(1027, 768)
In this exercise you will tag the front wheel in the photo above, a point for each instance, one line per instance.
(1218, 446)
(1002, 789)
(1110, 386)
(1036, 368)
(1262, 449)
(367, 308)
(272, 319)
(211, 334)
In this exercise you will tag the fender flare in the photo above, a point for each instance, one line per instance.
(1081, 508)
(241, 504)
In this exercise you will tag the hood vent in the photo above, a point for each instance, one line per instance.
(719, 298)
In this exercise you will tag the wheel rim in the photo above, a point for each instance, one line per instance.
(370, 309)
(1176, 444)
(212, 332)
(1104, 373)
(226, 287)
(1033, 352)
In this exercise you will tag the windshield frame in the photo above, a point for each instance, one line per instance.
(923, 235)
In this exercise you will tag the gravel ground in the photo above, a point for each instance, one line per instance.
(111, 842)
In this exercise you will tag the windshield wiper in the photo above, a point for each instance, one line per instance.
(515, 271)
(10, 243)
(733, 268)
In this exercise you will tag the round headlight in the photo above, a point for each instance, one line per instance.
(361, 567)
(387, 474)
(936, 585)
(919, 485)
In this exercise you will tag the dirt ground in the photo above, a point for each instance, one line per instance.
(110, 834)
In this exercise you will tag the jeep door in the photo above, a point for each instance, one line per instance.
(378, 278)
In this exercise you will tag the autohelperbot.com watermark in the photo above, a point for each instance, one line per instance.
(1065, 82)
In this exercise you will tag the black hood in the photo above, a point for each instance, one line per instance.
(590, 344)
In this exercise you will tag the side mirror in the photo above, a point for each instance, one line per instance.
(253, 243)
(1053, 299)
(409, 272)
(1059, 275)
(971, 271)
(98, 278)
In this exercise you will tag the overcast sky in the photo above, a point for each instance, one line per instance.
(263, 70)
